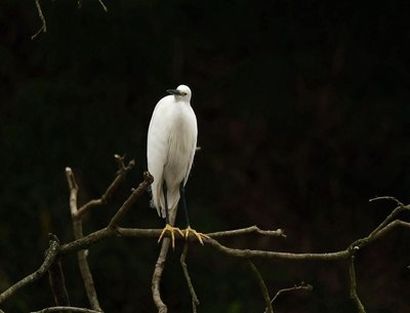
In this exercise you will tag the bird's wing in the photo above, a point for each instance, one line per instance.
(157, 151)
(194, 134)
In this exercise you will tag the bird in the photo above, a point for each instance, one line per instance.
(171, 145)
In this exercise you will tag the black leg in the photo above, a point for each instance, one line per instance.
(182, 192)
(164, 189)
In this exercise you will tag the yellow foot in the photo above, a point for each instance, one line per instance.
(172, 230)
(199, 236)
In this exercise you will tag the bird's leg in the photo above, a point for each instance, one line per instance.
(188, 230)
(168, 226)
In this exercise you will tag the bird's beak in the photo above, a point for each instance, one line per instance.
(174, 92)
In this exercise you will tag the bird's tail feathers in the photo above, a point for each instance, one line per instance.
(158, 201)
(156, 191)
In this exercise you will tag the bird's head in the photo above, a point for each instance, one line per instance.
(181, 93)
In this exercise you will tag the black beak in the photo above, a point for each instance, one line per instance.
(174, 92)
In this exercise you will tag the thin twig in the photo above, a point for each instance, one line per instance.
(358, 244)
(51, 254)
(103, 5)
(301, 286)
(353, 287)
(43, 27)
(57, 283)
(123, 170)
(194, 297)
(262, 286)
(399, 203)
(78, 234)
(244, 231)
(142, 187)
(66, 309)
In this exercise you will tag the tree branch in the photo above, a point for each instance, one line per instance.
(43, 27)
(262, 286)
(66, 309)
(101, 234)
(78, 234)
(249, 230)
(136, 193)
(301, 286)
(156, 277)
(82, 242)
(194, 297)
(353, 288)
(103, 5)
(51, 254)
(57, 283)
(399, 203)
(123, 170)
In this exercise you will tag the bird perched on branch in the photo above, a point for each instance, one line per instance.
(171, 145)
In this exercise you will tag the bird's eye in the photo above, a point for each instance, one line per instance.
(184, 93)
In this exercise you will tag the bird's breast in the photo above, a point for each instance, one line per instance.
(182, 143)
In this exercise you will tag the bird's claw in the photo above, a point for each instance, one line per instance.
(171, 229)
(198, 235)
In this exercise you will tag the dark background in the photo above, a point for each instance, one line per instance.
(303, 112)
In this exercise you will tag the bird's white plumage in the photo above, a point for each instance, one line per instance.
(171, 145)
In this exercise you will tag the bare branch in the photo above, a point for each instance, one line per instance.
(136, 193)
(248, 253)
(156, 277)
(103, 5)
(80, 5)
(101, 234)
(123, 170)
(84, 242)
(399, 203)
(301, 286)
(57, 283)
(43, 27)
(66, 309)
(379, 230)
(194, 297)
(353, 288)
(78, 234)
(244, 231)
(262, 286)
(51, 254)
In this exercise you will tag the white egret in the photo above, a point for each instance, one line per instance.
(171, 145)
